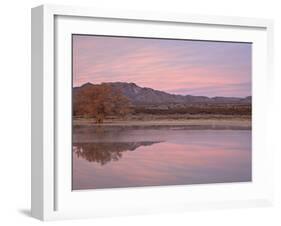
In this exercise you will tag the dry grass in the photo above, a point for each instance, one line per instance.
(192, 121)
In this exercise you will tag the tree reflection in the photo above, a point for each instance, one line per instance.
(103, 153)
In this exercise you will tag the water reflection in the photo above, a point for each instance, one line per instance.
(103, 153)
(129, 157)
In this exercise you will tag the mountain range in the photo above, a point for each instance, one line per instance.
(143, 95)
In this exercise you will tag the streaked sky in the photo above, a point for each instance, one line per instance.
(174, 66)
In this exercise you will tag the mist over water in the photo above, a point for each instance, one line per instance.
(116, 156)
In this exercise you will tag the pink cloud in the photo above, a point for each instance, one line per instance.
(156, 66)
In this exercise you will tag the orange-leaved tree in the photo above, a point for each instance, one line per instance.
(99, 101)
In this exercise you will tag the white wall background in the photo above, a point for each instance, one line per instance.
(15, 112)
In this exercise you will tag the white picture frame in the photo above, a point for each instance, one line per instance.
(51, 196)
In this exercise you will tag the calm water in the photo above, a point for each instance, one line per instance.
(111, 157)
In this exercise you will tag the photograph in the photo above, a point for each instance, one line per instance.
(152, 111)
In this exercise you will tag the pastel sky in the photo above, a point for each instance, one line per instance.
(174, 66)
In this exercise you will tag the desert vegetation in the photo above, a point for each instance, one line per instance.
(100, 101)
(202, 109)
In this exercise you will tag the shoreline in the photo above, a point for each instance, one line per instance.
(229, 123)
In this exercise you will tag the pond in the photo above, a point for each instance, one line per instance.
(128, 156)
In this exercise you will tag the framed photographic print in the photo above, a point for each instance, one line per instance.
(137, 112)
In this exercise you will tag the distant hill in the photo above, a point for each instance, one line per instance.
(142, 95)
